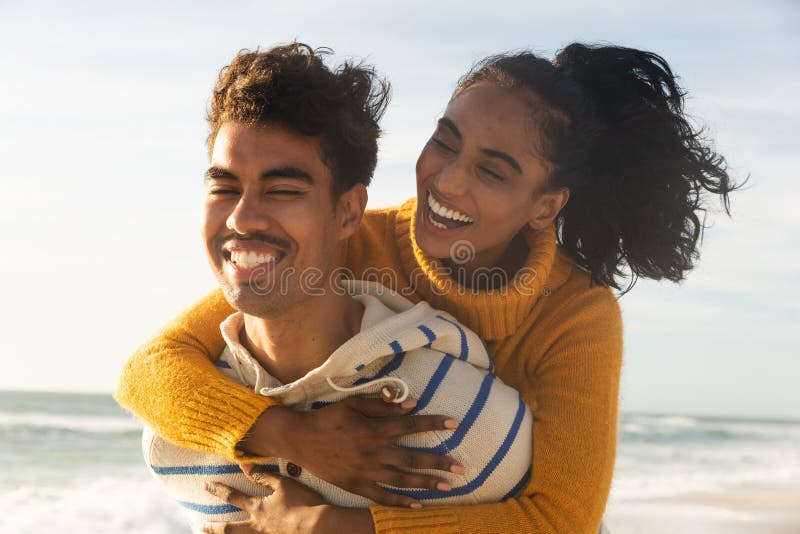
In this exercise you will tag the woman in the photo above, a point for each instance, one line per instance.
(592, 152)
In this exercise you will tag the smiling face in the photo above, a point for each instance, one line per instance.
(269, 217)
(479, 178)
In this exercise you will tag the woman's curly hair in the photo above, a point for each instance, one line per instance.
(290, 86)
(611, 124)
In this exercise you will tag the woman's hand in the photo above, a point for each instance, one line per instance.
(292, 507)
(351, 444)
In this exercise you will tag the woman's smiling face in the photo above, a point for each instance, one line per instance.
(479, 178)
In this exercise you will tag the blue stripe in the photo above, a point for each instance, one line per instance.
(223, 469)
(226, 469)
(428, 333)
(484, 474)
(519, 486)
(210, 509)
(222, 364)
(469, 419)
(360, 367)
(396, 347)
(434, 383)
(393, 364)
(320, 404)
(488, 355)
(464, 350)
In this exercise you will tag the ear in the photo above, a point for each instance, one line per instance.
(350, 210)
(547, 208)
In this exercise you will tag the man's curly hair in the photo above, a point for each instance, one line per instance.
(290, 86)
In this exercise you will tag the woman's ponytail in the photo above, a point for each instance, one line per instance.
(619, 140)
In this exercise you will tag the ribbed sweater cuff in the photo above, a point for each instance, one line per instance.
(390, 520)
(225, 417)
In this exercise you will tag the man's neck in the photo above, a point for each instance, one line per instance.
(302, 339)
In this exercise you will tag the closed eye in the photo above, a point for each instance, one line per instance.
(287, 192)
(442, 145)
(491, 174)
(224, 192)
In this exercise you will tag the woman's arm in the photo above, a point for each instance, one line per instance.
(171, 383)
(573, 391)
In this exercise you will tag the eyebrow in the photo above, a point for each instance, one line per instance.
(216, 173)
(505, 157)
(450, 125)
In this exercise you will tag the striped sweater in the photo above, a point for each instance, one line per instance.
(424, 353)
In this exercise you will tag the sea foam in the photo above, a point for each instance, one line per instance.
(104, 505)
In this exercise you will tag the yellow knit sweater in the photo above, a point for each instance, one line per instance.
(552, 336)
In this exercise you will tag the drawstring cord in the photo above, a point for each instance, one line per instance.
(401, 387)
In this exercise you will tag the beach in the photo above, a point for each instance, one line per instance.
(705, 475)
(73, 463)
(750, 509)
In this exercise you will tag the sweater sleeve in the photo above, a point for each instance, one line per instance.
(573, 392)
(171, 383)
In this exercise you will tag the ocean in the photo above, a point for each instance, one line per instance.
(73, 462)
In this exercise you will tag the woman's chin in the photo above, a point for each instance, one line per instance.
(432, 247)
(437, 242)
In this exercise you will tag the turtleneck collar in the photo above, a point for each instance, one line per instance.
(493, 314)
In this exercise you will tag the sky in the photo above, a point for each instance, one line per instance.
(102, 149)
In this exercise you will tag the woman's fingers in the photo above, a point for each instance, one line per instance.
(402, 480)
(246, 467)
(401, 426)
(407, 458)
(378, 407)
(262, 477)
(233, 496)
(387, 498)
(351, 444)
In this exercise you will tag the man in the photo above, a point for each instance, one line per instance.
(293, 146)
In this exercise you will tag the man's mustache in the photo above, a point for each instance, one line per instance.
(264, 238)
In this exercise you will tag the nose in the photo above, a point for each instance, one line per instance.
(248, 216)
(452, 180)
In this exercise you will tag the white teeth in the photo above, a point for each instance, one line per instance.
(437, 224)
(441, 211)
(248, 260)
